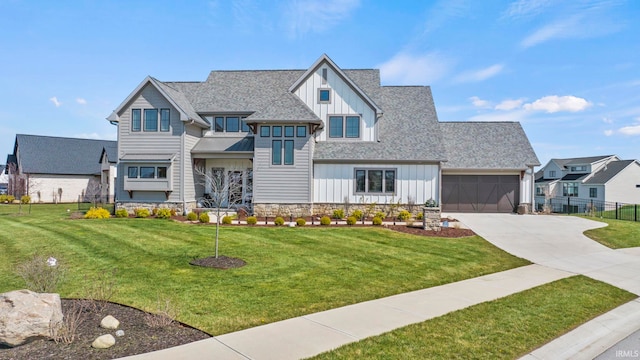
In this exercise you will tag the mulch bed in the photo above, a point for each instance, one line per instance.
(221, 262)
(447, 232)
(138, 337)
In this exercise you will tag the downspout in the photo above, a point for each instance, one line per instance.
(182, 170)
(533, 190)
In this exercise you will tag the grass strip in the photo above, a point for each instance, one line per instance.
(618, 235)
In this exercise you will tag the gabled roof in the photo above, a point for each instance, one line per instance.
(609, 171)
(224, 145)
(409, 130)
(487, 145)
(287, 108)
(58, 155)
(111, 151)
(580, 160)
(324, 59)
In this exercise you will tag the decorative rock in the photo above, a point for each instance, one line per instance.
(103, 342)
(26, 315)
(120, 333)
(109, 322)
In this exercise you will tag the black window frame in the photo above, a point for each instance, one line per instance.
(165, 123)
(364, 185)
(232, 124)
(148, 119)
(304, 131)
(162, 174)
(276, 131)
(264, 133)
(593, 192)
(135, 170)
(136, 121)
(289, 152)
(276, 152)
(218, 123)
(150, 172)
(289, 131)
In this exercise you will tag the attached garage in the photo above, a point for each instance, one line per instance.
(480, 193)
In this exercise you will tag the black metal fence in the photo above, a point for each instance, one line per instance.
(589, 207)
(86, 202)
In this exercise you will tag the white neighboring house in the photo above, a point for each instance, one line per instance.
(597, 178)
(57, 169)
(4, 179)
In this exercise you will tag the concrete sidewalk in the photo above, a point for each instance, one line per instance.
(313, 334)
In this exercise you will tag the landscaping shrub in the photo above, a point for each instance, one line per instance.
(380, 214)
(122, 213)
(351, 220)
(173, 212)
(226, 220)
(252, 220)
(97, 213)
(377, 221)
(41, 274)
(142, 213)
(8, 198)
(279, 221)
(301, 222)
(325, 220)
(25, 199)
(338, 214)
(163, 213)
(191, 216)
(357, 214)
(204, 217)
(404, 215)
(154, 211)
(419, 216)
(3, 198)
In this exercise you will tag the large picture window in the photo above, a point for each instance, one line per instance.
(570, 189)
(382, 181)
(344, 126)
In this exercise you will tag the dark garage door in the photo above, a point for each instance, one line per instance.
(480, 193)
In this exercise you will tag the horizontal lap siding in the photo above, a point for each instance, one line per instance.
(334, 182)
(150, 142)
(72, 187)
(283, 184)
(191, 137)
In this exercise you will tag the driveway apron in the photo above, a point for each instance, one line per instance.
(558, 242)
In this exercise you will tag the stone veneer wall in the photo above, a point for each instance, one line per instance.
(321, 209)
(177, 206)
(431, 218)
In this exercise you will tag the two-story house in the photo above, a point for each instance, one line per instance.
(598, 178)
(317, 137)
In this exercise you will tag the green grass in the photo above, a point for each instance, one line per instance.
(619, 234)
(506, 328)
(289, 272)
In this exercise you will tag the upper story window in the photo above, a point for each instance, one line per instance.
(579, 168)
(301, 131)
(265, 131)
(147, 120)
(344, 126)
(324, 96)
(593, 192)
(136, 119)
(288, 131)
(150, 120)
(165, 119)
(570, 189)
(282, 151)
(230, 124)
(552, 173)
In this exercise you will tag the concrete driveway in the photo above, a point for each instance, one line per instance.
(557, 242)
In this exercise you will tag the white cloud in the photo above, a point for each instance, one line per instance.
(560, 29)
(55, 101)
(477, 102)
(509, 104)
(554, 103)
(480, 75)
(630, 130)
(525, 8)
(316, 15)
(81, 101)
(408, 69)
(608, 132)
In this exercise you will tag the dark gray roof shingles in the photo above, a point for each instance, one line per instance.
(58, 155)
(608, 171)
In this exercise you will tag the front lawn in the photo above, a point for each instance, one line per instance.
(619, 234)
(289, 271)
(506, 328)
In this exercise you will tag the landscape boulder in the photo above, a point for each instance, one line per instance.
(109, 322)
(103, 342)
(26, 316)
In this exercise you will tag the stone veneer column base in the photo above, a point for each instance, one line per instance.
(284, 210)
(431, 218)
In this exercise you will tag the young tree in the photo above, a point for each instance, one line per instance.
(223, 190)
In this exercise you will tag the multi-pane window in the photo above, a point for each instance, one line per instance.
(150, 119)
(288, 131)
(136, 122)
(276, 152)
(301, 131)
(233, 124)
(570, 189)
(277, 131)
(375, 180)
(147, 172)
(230, 124)
(579, 168)
(552, 174)
(344, 126)
(593, 192)
(165, 119)
(265, 131)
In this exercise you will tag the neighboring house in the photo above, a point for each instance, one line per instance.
(598, 178)
(311, 139)
(4, 179)
(56, 169)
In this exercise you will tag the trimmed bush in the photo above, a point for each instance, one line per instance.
(419, 216)
(97, 213)
(10, 199)
(279, 221)
(25, 199)
(191, 216)
(377, 221)
(325, 220)
(338, 214)
(122, 213)
(154, 211)
(301, 222)
(173, 212)
(252, 220)
(404, 215)
(351, 220)
(142, 213)
(226, 220)
(204, 217)
(163, 213)
(357, 214)
(380, 214)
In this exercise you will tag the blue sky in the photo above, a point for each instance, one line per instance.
(569, 71)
